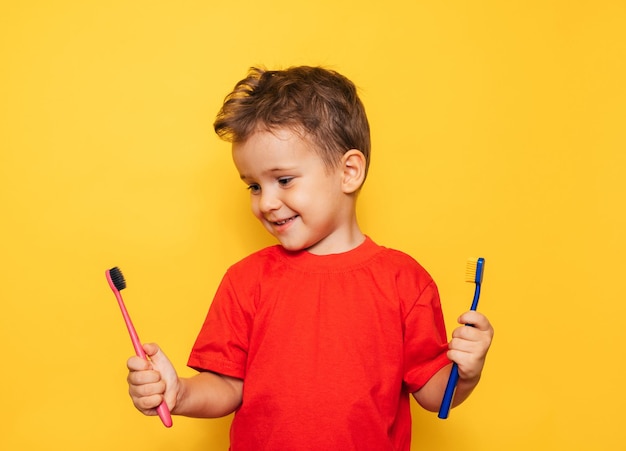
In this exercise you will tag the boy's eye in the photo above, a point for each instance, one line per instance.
(254, 188)
(284, 181)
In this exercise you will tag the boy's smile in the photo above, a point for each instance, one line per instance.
(298, 199)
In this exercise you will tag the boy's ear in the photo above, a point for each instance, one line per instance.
(353, 171)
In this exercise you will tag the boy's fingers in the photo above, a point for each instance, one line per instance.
(135, 363)
(463, 345)
(469, 333)
(157, 356)
(476, 319)
(143, 377)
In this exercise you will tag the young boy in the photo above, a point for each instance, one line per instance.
(318, 342)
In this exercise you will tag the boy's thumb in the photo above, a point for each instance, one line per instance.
(152, 351)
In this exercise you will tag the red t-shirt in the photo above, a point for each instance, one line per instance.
(329, 347)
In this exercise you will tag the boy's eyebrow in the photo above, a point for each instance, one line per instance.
(269, 171)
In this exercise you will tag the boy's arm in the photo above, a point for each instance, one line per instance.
(206, 395)
(468, 348)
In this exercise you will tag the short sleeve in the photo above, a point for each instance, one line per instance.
(425, 340)
(223, 341)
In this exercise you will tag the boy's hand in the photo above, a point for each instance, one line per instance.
(151, 381)
(469, 345)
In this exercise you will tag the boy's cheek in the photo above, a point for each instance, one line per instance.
(255, 210)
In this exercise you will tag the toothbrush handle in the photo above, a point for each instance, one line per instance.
(164, 414)
(446, 403)
(162, 410)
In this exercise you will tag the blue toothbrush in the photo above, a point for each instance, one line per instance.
(473, 274)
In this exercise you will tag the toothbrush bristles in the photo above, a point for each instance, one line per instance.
(474, 270)
(117, 278)
(470, 270)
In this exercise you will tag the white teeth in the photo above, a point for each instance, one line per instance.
(284, 221)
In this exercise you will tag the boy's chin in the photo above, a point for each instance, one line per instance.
(291, 247)
(295, 246)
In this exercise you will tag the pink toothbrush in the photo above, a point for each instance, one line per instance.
(117, 283)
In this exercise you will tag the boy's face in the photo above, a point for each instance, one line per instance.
(297, 198)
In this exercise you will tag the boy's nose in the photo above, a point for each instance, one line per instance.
(268, 202)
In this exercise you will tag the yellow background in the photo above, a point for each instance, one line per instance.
(498, 131)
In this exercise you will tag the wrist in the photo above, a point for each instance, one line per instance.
(469, 381)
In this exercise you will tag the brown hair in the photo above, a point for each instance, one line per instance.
(320, 103)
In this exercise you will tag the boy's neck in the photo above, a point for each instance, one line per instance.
(344, 242)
